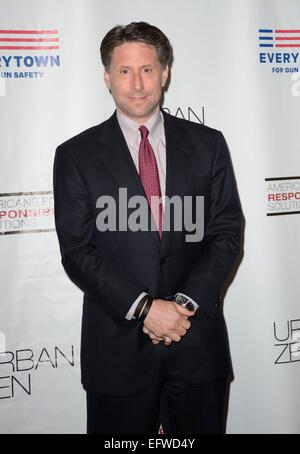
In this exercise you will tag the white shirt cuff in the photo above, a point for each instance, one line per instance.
(131, 311)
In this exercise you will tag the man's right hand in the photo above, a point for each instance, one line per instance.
(167, 320)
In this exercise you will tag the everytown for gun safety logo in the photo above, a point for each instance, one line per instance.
(279, 48)
(26, 54)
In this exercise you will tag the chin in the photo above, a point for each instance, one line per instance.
(139, 113)
(136, 113)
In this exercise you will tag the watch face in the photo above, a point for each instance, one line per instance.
(180, 299)
(185, 303)
(189, 306)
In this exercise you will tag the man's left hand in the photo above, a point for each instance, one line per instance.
(156, 340)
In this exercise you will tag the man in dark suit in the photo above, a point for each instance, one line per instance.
(152, 327)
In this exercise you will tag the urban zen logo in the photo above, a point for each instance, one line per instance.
(287, 342)
(24, 54)
(26, 212)
(187, 114)
(17, 367)
(282, 196)
(279, 48)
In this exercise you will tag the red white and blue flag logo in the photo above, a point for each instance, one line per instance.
(284, 39)
(29, 39)
(26, 54)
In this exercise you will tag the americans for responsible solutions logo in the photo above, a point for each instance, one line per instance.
(282, 195)
(26, 212)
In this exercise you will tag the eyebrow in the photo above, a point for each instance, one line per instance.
(143, 66)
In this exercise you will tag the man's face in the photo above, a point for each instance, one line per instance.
(135, 79)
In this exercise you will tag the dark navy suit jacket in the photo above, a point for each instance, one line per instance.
(112, 268)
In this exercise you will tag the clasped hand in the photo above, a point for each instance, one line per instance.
(167, 321)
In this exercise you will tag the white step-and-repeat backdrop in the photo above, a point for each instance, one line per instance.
(237, 69)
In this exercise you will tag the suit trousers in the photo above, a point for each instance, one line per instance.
(179, 406)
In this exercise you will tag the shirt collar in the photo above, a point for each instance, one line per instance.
(131, 131)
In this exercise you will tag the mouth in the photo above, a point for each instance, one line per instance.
(137, 98)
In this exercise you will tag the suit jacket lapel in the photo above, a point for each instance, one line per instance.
(117, 158)
(178, 170)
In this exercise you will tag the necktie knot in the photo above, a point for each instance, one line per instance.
(144, 132)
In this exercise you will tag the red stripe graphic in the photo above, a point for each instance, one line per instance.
(28, 47)
(288, 38)
(287, 31)
(287, 45)
(27, 40)
(29, 32)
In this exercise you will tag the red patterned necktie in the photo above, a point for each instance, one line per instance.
(150, 179)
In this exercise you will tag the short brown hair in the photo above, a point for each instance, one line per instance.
(140, 32)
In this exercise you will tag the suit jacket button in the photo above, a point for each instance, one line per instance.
(163, 260)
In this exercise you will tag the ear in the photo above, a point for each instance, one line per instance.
(165, 75)
(107, 79)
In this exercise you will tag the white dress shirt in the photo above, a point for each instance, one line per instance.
(157, 139)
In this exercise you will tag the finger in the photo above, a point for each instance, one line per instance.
(154, 336)
(167, 340)
(175, 337)
(182, 310)
(146, 331)
(179, 331)
(185, 325)
(155, 341)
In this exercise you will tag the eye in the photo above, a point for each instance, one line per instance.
(124, 71)
(147, 70)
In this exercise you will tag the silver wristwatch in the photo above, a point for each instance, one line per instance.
(186, 302)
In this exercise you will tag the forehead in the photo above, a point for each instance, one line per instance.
(134, 54)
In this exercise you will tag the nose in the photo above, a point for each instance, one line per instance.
(137, 82)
